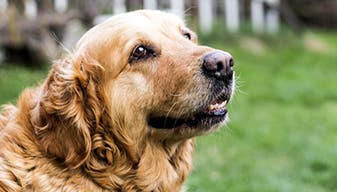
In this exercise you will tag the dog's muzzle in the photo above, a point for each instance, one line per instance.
(217, 67)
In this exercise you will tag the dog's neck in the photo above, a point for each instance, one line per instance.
(164, 165)
(167, 166)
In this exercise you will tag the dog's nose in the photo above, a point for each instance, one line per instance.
(219, 65)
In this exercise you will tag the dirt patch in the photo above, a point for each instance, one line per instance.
(253, 45)
(317, 45)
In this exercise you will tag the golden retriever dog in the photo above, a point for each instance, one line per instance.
(120, 113)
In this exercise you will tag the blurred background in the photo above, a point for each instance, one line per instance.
(283, 130)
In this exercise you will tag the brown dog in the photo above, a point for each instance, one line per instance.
(120, 113)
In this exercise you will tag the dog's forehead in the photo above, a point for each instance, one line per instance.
(128, 28)
(132, 24)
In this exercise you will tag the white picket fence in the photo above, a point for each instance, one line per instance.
(262, 20)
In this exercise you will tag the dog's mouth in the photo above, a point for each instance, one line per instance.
(207, 117)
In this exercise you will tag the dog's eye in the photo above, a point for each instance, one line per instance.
(188, 36)
(186, 33)
(141, 52)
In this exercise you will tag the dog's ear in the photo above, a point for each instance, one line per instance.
(67, 110)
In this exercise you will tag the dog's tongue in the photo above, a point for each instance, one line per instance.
(216, 108)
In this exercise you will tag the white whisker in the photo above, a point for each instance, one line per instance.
(170, 110)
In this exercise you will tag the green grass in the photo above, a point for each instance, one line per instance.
(13, 79)
(283, 130)
(282, 136)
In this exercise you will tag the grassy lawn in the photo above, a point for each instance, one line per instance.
(283, 131)
(13, 79)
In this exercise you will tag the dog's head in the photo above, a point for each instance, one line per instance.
(157, 74)
(137, 76)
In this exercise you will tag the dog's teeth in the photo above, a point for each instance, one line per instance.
(223, 104)
(217, 106)
(211, 107)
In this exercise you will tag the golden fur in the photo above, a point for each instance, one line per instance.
(86, 127)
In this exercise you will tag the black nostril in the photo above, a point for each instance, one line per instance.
(231, 62)
(218, 65)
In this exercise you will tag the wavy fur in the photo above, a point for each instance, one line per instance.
(85, 127)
